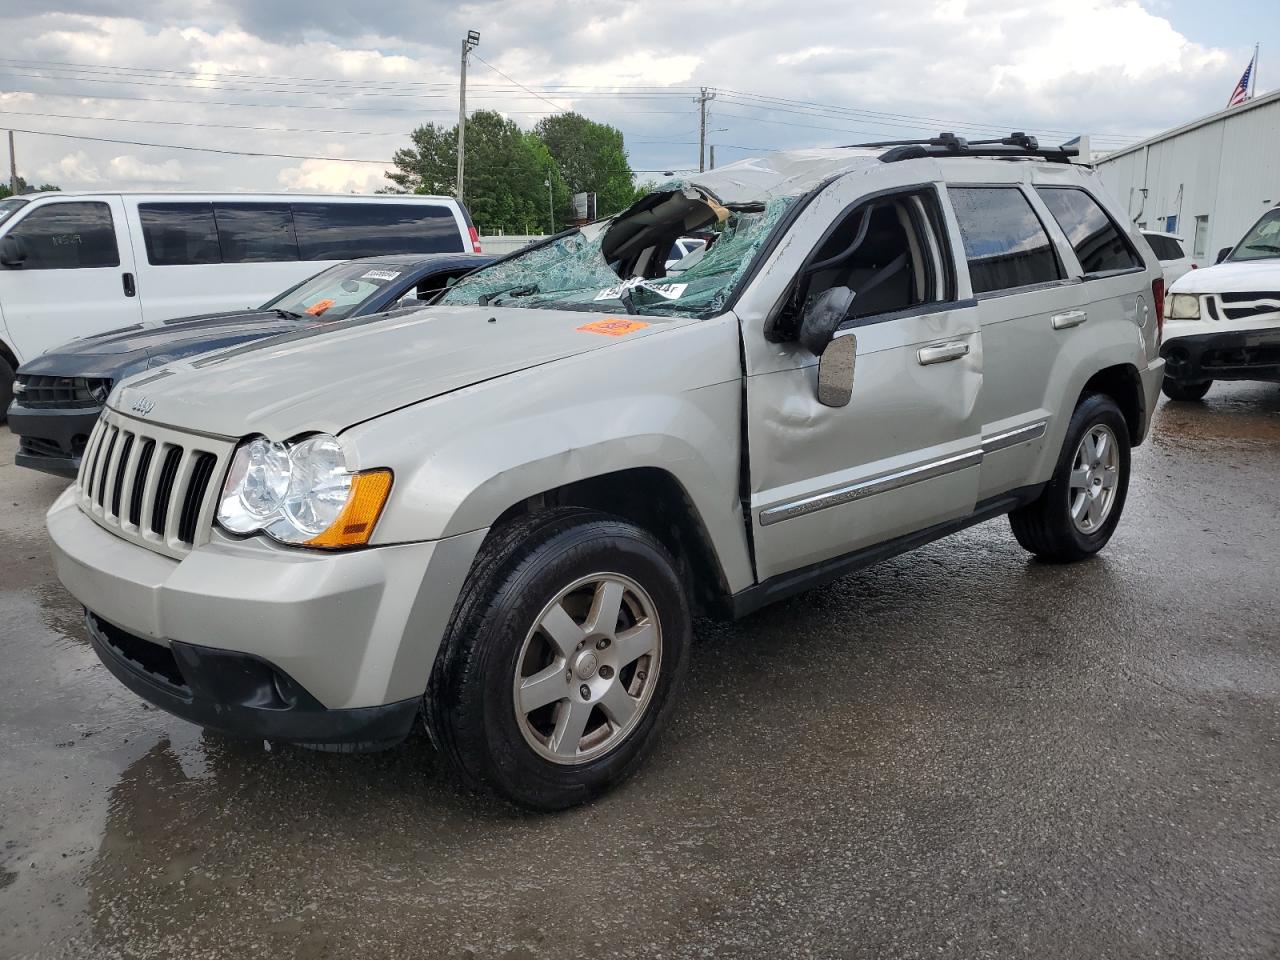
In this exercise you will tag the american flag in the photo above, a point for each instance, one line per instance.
(1241, 93)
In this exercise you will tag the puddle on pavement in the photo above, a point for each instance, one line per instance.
(1233, 415)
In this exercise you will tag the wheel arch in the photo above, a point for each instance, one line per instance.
(7, 355)
(655, 500)
(1123, 384)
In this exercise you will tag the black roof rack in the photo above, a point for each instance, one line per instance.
(949, 145)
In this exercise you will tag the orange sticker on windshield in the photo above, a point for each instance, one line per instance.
(319, 307)
(613, 327)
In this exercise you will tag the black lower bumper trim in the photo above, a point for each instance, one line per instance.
(238, 693)
(52, 439)
(1237, 355)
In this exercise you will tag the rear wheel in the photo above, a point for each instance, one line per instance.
(1185, 389)
(1077, 512)
(6, 388)
(562, 659)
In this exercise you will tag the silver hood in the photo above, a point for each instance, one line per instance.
(331, 378)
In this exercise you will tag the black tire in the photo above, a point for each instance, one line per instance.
(1189, 390)
(1044, 526)
(6, 388)
(521, 568)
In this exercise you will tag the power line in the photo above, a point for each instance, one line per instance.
(763, 101)
(148, 71)
(306, 106)
(518, 83)
(218, 126)
(279, 90)
(176, 146)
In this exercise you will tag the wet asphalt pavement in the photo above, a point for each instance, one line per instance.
(960, 753)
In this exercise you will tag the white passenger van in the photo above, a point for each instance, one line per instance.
(73, 264)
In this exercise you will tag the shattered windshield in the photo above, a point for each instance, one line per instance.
(1263, 241)
(594, 270)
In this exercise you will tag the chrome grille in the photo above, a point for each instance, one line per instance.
(42, 393)
(155, 486)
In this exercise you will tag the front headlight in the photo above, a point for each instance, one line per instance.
(1184, 306)
(301, 493)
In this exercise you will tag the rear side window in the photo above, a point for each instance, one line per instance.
(179, 234)
(1097, 241)
(1165, 248)
(68, 236)
(255, 232)
(343, 231)
(1004, 241)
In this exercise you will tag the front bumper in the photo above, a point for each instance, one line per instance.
(51, 440)
(334, 631)
(238, 693)
(1229, 355)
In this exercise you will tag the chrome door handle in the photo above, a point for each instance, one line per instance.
(941, 353)
(1072, 318)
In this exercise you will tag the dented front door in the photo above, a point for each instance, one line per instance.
(902, 455)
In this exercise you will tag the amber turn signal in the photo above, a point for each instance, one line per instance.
(355, 523)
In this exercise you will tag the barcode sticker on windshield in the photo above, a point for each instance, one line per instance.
(380, 275)
(670, 291)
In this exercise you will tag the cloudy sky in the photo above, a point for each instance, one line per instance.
(334, 79)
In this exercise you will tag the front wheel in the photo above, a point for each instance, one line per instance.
(562, 660)
(1189, 390)
(1078, 510)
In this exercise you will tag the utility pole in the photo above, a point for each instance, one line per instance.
(702, 100)
(13, 168)
(470, 41)
(551, 205)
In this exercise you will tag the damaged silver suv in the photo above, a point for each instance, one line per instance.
(501, 512)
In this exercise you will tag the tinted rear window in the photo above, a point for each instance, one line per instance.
(178, 234)
(1165, 248)
(255, 232)
(1004, 241)
(343, 231)
(68, 236)
(1096, 239)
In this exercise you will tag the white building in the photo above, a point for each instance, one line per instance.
(1208, 180)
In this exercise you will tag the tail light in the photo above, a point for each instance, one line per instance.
(1195, 266)
(1157, 294)
(475, 240)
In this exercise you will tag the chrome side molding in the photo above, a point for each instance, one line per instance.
(901, 478)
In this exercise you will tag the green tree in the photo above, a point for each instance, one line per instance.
(506, 173)
(591, 158)
(22, 188)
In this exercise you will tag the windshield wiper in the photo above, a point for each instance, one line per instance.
(1269, 247)
(624, 298)
(286, 314)
(521, 290)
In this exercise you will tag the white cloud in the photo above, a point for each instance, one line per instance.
(130, 169)
(326, 176)
(70, 171)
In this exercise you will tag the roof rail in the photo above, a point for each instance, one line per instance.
(947, 144)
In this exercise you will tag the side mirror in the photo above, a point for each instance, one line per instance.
(1223, 254)
(13, 252)
(823, 317)
(835, 371)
